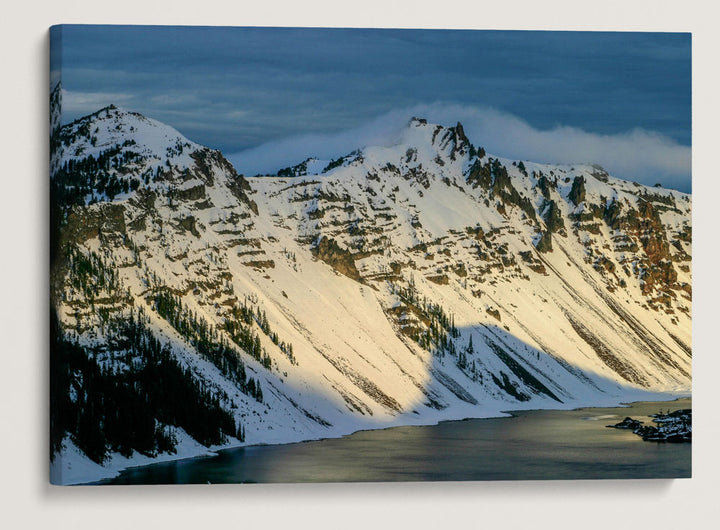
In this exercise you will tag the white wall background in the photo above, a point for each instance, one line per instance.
(26, 499)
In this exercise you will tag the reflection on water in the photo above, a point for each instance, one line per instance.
(531, 445)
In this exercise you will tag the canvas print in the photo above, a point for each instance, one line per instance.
(340, 255)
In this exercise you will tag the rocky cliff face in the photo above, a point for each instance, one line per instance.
(403, 284)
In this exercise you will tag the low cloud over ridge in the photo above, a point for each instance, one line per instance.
(639, 155)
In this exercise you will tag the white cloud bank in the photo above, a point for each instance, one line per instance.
(638, 155)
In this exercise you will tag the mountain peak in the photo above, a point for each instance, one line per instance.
(460, 134)
(112, 127)
(111, 154)
(419, 145)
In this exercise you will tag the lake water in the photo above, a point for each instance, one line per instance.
(531, 445)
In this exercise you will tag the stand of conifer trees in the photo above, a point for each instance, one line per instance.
(78, 178)
(211, 345)
(441, 331)
(126, 406)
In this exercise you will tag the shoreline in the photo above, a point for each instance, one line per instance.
(108, 473)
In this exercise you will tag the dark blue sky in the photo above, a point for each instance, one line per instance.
(238, 88)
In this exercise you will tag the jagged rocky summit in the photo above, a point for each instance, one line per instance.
(399, 284)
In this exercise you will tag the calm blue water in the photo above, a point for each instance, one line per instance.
(531, 445)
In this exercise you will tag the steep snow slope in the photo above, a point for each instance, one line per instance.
(610, 286)
(400, 284)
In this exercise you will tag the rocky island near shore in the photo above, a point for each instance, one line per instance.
(673, 427)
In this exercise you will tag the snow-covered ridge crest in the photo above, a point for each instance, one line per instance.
(420, 143)
(111, 154)
(433, 146)
(113, 126)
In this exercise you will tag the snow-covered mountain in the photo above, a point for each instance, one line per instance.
(401, 284)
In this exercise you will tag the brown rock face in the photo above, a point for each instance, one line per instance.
(191, 194)
(440, 279)
(553, 218)
(545, 243)
(480, 175)
(461, 140)
(341, 260)
(96, 221)
(261, 264)
(188, 224)
(494, 313)
(644, 230)
(655, 246)
(577, 192)
(661, 275)
(236, 183)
